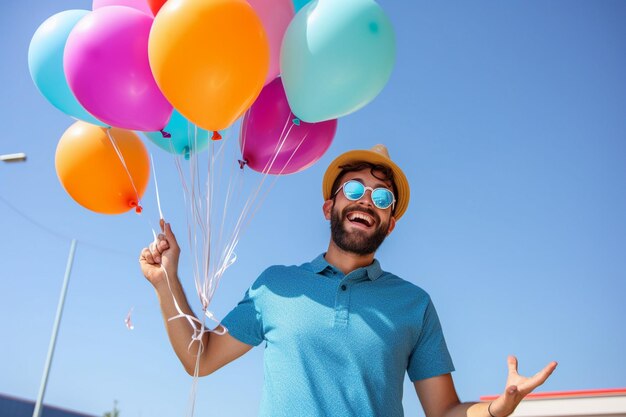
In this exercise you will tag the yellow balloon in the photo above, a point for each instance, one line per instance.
(209, 58)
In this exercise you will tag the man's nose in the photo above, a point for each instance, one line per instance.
(367, 198)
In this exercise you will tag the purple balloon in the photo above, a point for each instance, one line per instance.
(107, 68)
(274, 141)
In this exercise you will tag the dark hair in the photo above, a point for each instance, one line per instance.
(381, 172)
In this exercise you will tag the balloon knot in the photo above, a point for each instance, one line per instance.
(216, 135)
(296, 121)
(186, 153)
(137, 206)
(165, 134)
(242, 163)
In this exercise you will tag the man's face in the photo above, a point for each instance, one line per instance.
(359, 227)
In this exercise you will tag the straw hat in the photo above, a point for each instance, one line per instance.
(378, 155)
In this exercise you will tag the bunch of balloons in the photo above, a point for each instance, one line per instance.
(181, 71)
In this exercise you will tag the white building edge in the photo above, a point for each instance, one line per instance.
(587, 403)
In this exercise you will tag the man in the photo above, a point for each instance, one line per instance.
(340, 332)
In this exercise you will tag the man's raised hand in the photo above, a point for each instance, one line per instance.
(517, 387)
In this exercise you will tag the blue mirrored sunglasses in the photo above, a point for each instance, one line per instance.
(354, 190)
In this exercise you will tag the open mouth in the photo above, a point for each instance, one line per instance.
(360, 218)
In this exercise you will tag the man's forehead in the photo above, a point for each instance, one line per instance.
(366, 177)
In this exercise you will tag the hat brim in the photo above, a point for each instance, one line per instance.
(402, 185)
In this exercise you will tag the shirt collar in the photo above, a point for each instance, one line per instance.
(373, 270)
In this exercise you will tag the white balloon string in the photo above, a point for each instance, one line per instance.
(268, 166)
(198, 330)
(191, 406)
(243, 134)
(189, 203)
(213, 243)
(156, 188)
(259, 203)
(197, 223)
(128, 320)
(250, 201)
(121, 158)
(225, 260)
(223, 263)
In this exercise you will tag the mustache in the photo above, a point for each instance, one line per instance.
(362, 209)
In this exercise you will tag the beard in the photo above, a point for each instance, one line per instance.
(359, 242)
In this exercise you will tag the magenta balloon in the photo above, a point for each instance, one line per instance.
(275, 16)
(107, 69)
(270, 123)
(135, 4)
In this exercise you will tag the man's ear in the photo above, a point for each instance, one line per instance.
(392, 225)
(327, 207)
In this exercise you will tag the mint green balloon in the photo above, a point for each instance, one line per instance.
(45, 63)
(185, 138)
(337, 55)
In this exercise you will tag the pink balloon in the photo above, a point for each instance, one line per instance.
(275, 16)
(274, 141)
(135, 4)
(107, 69)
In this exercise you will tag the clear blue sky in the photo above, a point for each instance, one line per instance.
(509, 120)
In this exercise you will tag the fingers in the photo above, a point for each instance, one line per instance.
(164, 241)
(169, 235)
(512, 363)
(166, 228)
(155, 249)
(541, 376)
(161, 243)
(146, 256)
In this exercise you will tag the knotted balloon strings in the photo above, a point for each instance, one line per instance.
(198, 326)
(198, 332)
(199, 329)
(136, 204)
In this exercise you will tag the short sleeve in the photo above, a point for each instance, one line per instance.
(430, 356)
(244, 322)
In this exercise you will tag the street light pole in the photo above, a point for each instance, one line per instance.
(55, 331)
(13, 157)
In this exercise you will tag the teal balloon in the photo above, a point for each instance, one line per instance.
(185, 138)
(45, 63)
(336, 56)
(298, 4)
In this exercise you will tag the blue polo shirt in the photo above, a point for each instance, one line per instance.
(339, 345)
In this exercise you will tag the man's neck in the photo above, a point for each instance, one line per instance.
(346, 262)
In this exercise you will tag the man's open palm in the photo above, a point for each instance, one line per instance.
(517, 387)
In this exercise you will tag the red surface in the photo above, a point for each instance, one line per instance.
(567, 394)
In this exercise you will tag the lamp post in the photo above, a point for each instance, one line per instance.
(55, 331)
(13, 157)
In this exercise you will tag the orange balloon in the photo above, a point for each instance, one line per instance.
(92, 172)
(209, 58)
